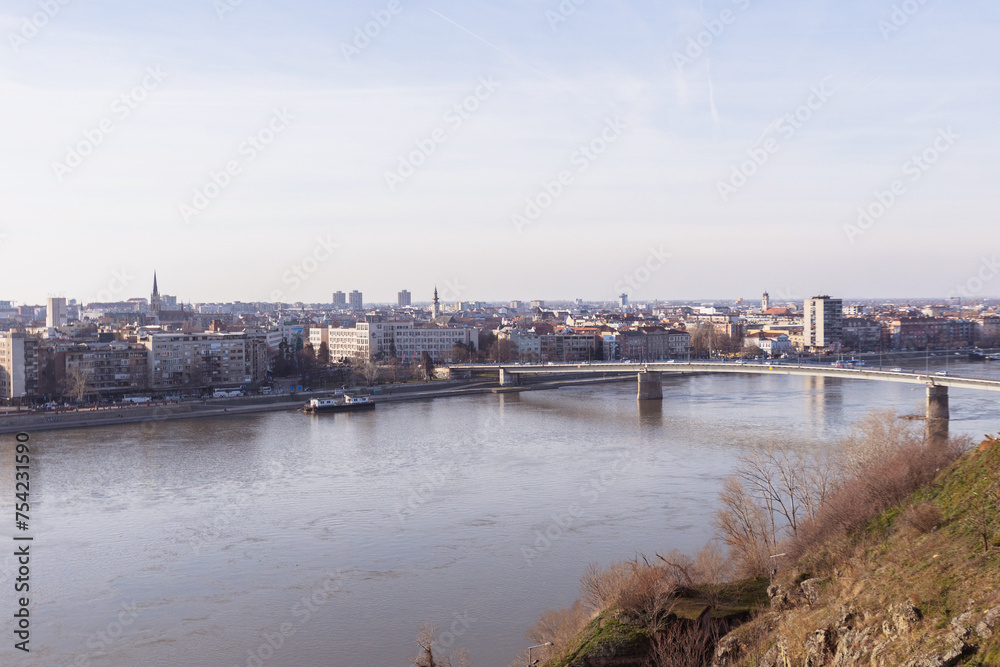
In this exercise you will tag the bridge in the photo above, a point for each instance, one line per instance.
(650, 375)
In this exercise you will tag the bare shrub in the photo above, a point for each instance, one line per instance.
(922, 518)
(558, 627)
(600, 588)
(745, 528)
(425, 640)
(870, 488)
(683, 644)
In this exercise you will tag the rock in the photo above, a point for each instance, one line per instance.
(779, 597)
(990, 621)
(904, 617)
(820, 646)
(727, 651)
(770, 659)
(961, 628)
(845, 618)
(810, 589)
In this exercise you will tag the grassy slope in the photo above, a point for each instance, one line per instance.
(943, 572)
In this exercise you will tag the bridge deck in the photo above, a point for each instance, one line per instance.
(862, 373)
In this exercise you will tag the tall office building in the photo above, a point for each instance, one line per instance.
(403, 298)
(55, 312)
(355, 300)
(339, 299)
(822, 322)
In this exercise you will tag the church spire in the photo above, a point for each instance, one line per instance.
(436, 310)
(154, 300)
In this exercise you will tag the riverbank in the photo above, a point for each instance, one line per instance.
(14, 422)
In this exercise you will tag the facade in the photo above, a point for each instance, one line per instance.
(822, 325)
(18, 366)
(921, 333)
(110, 367)
(55, 312)
(654, 344)
(403, 298)
(861, 334)
(772, 343)
(199, 360)
(355, 301)
(375, 338)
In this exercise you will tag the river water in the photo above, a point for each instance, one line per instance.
(335, 537)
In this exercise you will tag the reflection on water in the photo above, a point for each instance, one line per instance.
(350, 530)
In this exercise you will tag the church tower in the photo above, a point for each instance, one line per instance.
(154, 301)
(436, 308)
(765, 302)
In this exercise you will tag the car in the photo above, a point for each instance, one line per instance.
(896, 370)
(942, 373)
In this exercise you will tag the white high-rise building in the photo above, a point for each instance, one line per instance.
(822, 323)
(55, 313)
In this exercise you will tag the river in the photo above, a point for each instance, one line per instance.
(334, 537)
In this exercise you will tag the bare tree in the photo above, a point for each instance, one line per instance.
(425, 640)
(745, 528)
(76, 383)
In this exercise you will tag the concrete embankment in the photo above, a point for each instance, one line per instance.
(13, 422)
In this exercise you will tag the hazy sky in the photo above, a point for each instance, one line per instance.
(399, 159)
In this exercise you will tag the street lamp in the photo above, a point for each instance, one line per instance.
(536, 646)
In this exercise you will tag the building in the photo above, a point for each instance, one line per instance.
(403, 298)
(822, 325)
(654, 344)
(339, 300)
(376, 338)
(355, 301)
(55, 312)
(18, 366)
(435, 305)
(921, 333)
(622, 300)
(765, 302)
(771, 343)
(109, 368)
(155, 306)
(198, 360)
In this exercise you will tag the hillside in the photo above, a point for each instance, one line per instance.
(919, 585)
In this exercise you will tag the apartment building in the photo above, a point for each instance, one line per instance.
(205, 359)
(377, 338)
(18, 365)
(822, 323)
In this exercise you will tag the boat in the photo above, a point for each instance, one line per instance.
(344, 403)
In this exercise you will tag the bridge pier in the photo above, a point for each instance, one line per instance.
(508, 379)
(937, 414)
(650, 386)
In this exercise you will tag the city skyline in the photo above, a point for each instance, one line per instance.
(838, 151)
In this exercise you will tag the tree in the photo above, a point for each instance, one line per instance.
(428, 365)
(460, 351)
(425, 640)
(323, 354)
(500, 351)
(370, 370)
(76, 383)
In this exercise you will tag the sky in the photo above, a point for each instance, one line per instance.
(525, 149)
